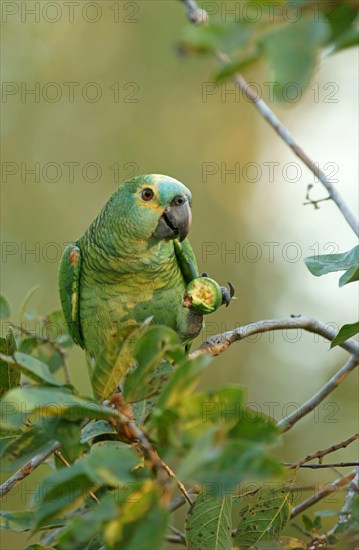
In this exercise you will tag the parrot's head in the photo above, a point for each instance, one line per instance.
(152, 207)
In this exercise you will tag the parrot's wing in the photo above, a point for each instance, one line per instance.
(186, 260)
(69, 283)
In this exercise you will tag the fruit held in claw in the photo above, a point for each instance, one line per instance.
(203, 294)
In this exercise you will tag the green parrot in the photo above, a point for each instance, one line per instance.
(132, 263)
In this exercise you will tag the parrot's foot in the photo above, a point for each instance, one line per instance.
(227, 295)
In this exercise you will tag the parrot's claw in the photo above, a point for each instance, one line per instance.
(227, 295)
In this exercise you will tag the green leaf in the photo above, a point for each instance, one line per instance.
(227, 37)
(16, 521)
(39, 547)
(215, 459)
(183, 381)
(35, 369)
(340, 16)
(9, 374)
(307, 522)
(327, 263)
(156, 383)
(115, 360)
(94, 429)
(263, 516)
(208, 523)
(4, 308)
(56, 329)
(39, 438)
(200, 411)
(142, 521)
(151, 527)
(23, 448)
(347, 40)
(21, 521)
(347, 331)
(81, 529)
(151, 348)
(68, 488)
(351, 275)
(236, 66)
(19, 403)
(46, 353)
(291, 53)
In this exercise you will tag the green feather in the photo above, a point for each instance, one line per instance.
(69, 283)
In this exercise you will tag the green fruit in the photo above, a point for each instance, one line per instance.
(203, 294)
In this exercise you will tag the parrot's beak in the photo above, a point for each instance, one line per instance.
(176, 220)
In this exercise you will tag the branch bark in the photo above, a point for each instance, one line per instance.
(26, 470)
(220, 342)
(288, 422)
(196, 15)
(324, 452)
(331, 488)
(334, 465)
(282, 131)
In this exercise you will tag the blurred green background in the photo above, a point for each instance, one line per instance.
(112, 98)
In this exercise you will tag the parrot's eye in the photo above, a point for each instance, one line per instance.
(147, 194)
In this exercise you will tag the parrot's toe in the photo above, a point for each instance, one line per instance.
(227, 295)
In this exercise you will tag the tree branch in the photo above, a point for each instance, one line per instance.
(324, 452)
(288, 422)
(194, 15)
(331, 488)
(220, 342)
(282, 131)
(26, 470)
(335, 465)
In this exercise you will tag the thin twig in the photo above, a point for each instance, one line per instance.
(180, 485)
(283, 132)
(314, 202)
(194, 13)
(175, 539)
(288, 422)
(330, 488)
(318, 466)
(61, 457)
(324, 452)
(55, 345)
(220, 342)
(179, 501)
(27, 469)
(178, 533)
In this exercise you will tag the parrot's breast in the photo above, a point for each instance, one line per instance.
(147, 289)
